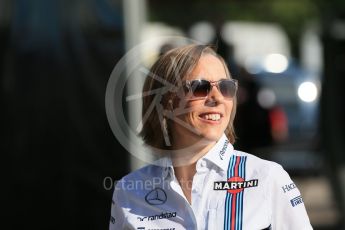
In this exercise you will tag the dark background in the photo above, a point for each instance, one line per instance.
(55, 59)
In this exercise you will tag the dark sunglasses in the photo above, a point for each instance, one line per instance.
(199, 89)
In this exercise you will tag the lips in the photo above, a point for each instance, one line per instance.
(213, 116)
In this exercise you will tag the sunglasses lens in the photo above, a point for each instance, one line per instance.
(227, 88)
(200, 88)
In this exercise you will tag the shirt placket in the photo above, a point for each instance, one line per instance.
(198, 205)
(189, 215)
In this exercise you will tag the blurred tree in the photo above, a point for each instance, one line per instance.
(290, 14)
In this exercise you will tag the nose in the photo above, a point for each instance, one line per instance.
(215, 94)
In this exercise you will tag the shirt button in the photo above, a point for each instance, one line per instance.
(203, 163)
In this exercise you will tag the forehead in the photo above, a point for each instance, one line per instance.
(209, 67)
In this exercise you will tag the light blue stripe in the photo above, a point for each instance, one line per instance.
(232, 171)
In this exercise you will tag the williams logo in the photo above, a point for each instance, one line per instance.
(235, 184)
(222, 151)
(156, 196)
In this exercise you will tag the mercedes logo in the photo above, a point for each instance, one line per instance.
(156, 196)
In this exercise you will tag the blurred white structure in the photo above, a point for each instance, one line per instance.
(155, 35)
(202, 31)
(134, 19)
(311, 50)
(143, 42)
(253, 42)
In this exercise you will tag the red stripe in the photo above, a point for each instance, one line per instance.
(233, 211)
(236, 165)
(234, 196)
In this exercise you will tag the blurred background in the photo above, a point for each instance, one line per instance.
(60, 157)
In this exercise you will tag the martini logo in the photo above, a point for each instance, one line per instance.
(235, 184)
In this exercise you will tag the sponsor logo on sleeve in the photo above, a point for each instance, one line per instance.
(235, 184)
(296, 201)
(156, 196)
(288, 187)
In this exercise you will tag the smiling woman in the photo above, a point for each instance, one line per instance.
(210, 108)
(200, 180)
(176, 74)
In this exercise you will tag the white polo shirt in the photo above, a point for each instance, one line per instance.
(231, 190)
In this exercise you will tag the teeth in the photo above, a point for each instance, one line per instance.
(214, 117)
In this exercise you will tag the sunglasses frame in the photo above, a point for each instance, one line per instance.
(188, 84)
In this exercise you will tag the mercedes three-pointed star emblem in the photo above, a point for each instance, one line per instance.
(156, 196)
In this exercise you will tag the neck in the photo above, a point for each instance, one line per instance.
(184, 162)
(187, 153)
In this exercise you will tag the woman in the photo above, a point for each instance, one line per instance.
(201, 182)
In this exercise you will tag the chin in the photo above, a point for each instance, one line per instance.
(211, 135)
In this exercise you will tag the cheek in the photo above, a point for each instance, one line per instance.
(229, 107)
(194, 109)
(187, 111)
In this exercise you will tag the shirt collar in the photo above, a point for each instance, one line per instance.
(167, 167)
(219, 155)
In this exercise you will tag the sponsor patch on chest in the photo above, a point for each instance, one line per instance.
(235, 184)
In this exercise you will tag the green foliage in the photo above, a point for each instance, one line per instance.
(291, 14)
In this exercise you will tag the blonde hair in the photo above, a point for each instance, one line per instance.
(179, 62)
